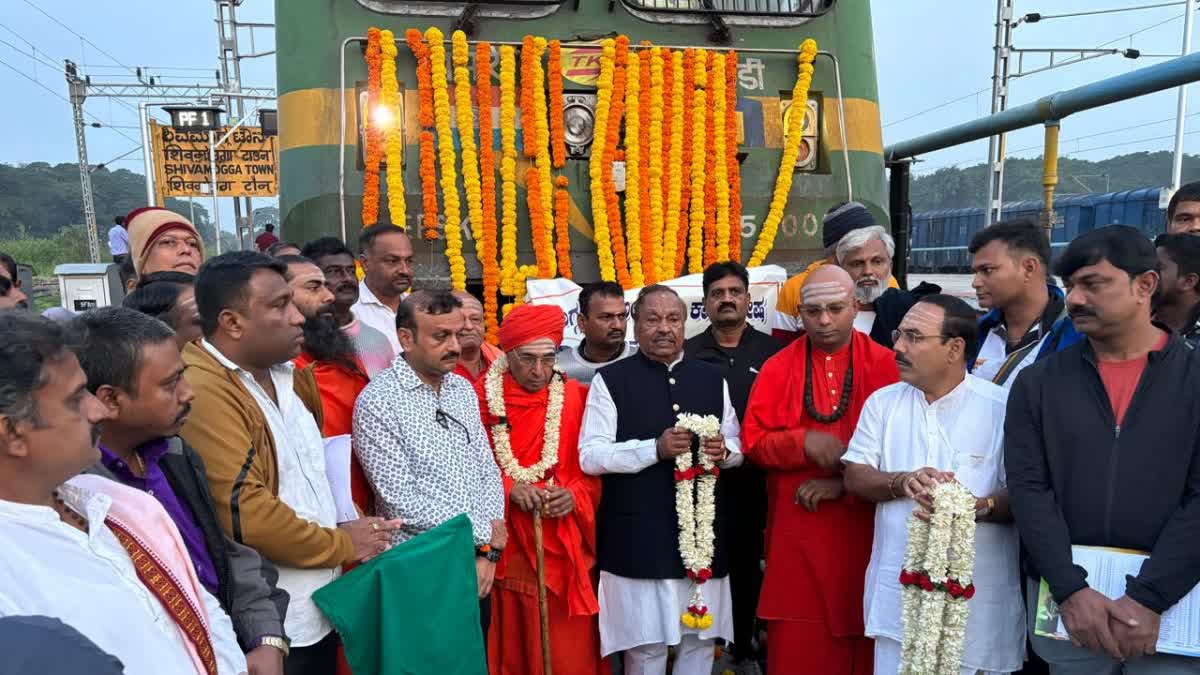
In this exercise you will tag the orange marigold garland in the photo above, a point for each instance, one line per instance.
(486, 240)
(649, 226)
(370, 203)
(425, 141)
(533, 195)
(612, 136)
(562, 241)
(558, 142)
(732, 167)
(699, 163)
(719, 156)
(528, 121)
(655, 194)
(674, 170)
(710, 171)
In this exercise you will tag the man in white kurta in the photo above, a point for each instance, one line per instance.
(938, 424)
(629, 405)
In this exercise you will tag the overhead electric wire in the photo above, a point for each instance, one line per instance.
(936, 107)
(80, 36)
(64, 99)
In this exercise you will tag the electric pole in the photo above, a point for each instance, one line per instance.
(1000, 67)
(78, 90)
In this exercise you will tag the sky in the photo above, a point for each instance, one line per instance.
(915, 40)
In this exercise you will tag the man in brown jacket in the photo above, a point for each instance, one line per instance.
(256, 423)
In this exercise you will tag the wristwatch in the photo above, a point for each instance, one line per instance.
(488, 552)
(282, 644)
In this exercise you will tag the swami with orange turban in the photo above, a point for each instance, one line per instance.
(540, 465)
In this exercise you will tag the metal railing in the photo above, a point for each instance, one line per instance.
(780, 8)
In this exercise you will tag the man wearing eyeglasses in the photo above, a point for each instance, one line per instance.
(938, 424)
(420, 440)
(802, 412)
(533, 414)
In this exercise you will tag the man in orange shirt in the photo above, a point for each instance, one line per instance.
(475, 355)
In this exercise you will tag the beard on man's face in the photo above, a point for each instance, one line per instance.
(324, 340)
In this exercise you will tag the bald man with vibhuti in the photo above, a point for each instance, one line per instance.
(802, 413)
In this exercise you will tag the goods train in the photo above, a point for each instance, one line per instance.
(939, 238)
(322, 77)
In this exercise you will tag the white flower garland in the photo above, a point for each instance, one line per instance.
(696, 509)
(938, 565)
(494, 389)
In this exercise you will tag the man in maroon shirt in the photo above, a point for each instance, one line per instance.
(264, 240)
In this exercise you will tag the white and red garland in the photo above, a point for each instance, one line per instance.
(936, 579)
(696, 509)
(501, 441)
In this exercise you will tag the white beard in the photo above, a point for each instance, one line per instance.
(867, 295)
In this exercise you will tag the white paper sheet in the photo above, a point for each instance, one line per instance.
(337, 469)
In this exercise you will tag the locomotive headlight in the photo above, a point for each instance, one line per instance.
(579, 125)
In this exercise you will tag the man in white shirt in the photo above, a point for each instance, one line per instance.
(253, 422)
(1028, 317)
(67, 547)
(386, 254)
(118, 240)
(631, 440)
(938, 424)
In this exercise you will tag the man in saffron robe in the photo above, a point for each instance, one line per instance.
(567, 497)
(802, 412)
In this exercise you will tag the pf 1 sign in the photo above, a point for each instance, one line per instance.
(195, 119)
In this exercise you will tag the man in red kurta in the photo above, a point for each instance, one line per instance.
(567, 498)
(802, 412)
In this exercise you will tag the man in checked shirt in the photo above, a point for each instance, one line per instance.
(421, 442)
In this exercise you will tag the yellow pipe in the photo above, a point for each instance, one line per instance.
(1049, 177)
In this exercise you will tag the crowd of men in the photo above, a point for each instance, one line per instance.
(164, 465)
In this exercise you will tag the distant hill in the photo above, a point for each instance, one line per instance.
(957, 188)
(38, 200)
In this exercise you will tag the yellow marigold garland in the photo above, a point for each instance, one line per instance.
(604, 93)
(611, 137)
(562, 240)
(469, 159)
(791, 150)
(393, 140)
(370, 202)
(542, 128)
(699, 159)
(667, 267)
(718, 153)
(732, 167)
(508, 169)
(655, 163)
(633, 171)
(425, 141)
(558, 143)
(524, 272)
(486, 240)
(449, 178)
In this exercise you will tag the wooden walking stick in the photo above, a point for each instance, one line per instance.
(543, 608)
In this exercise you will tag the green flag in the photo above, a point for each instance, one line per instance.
(414, 610)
